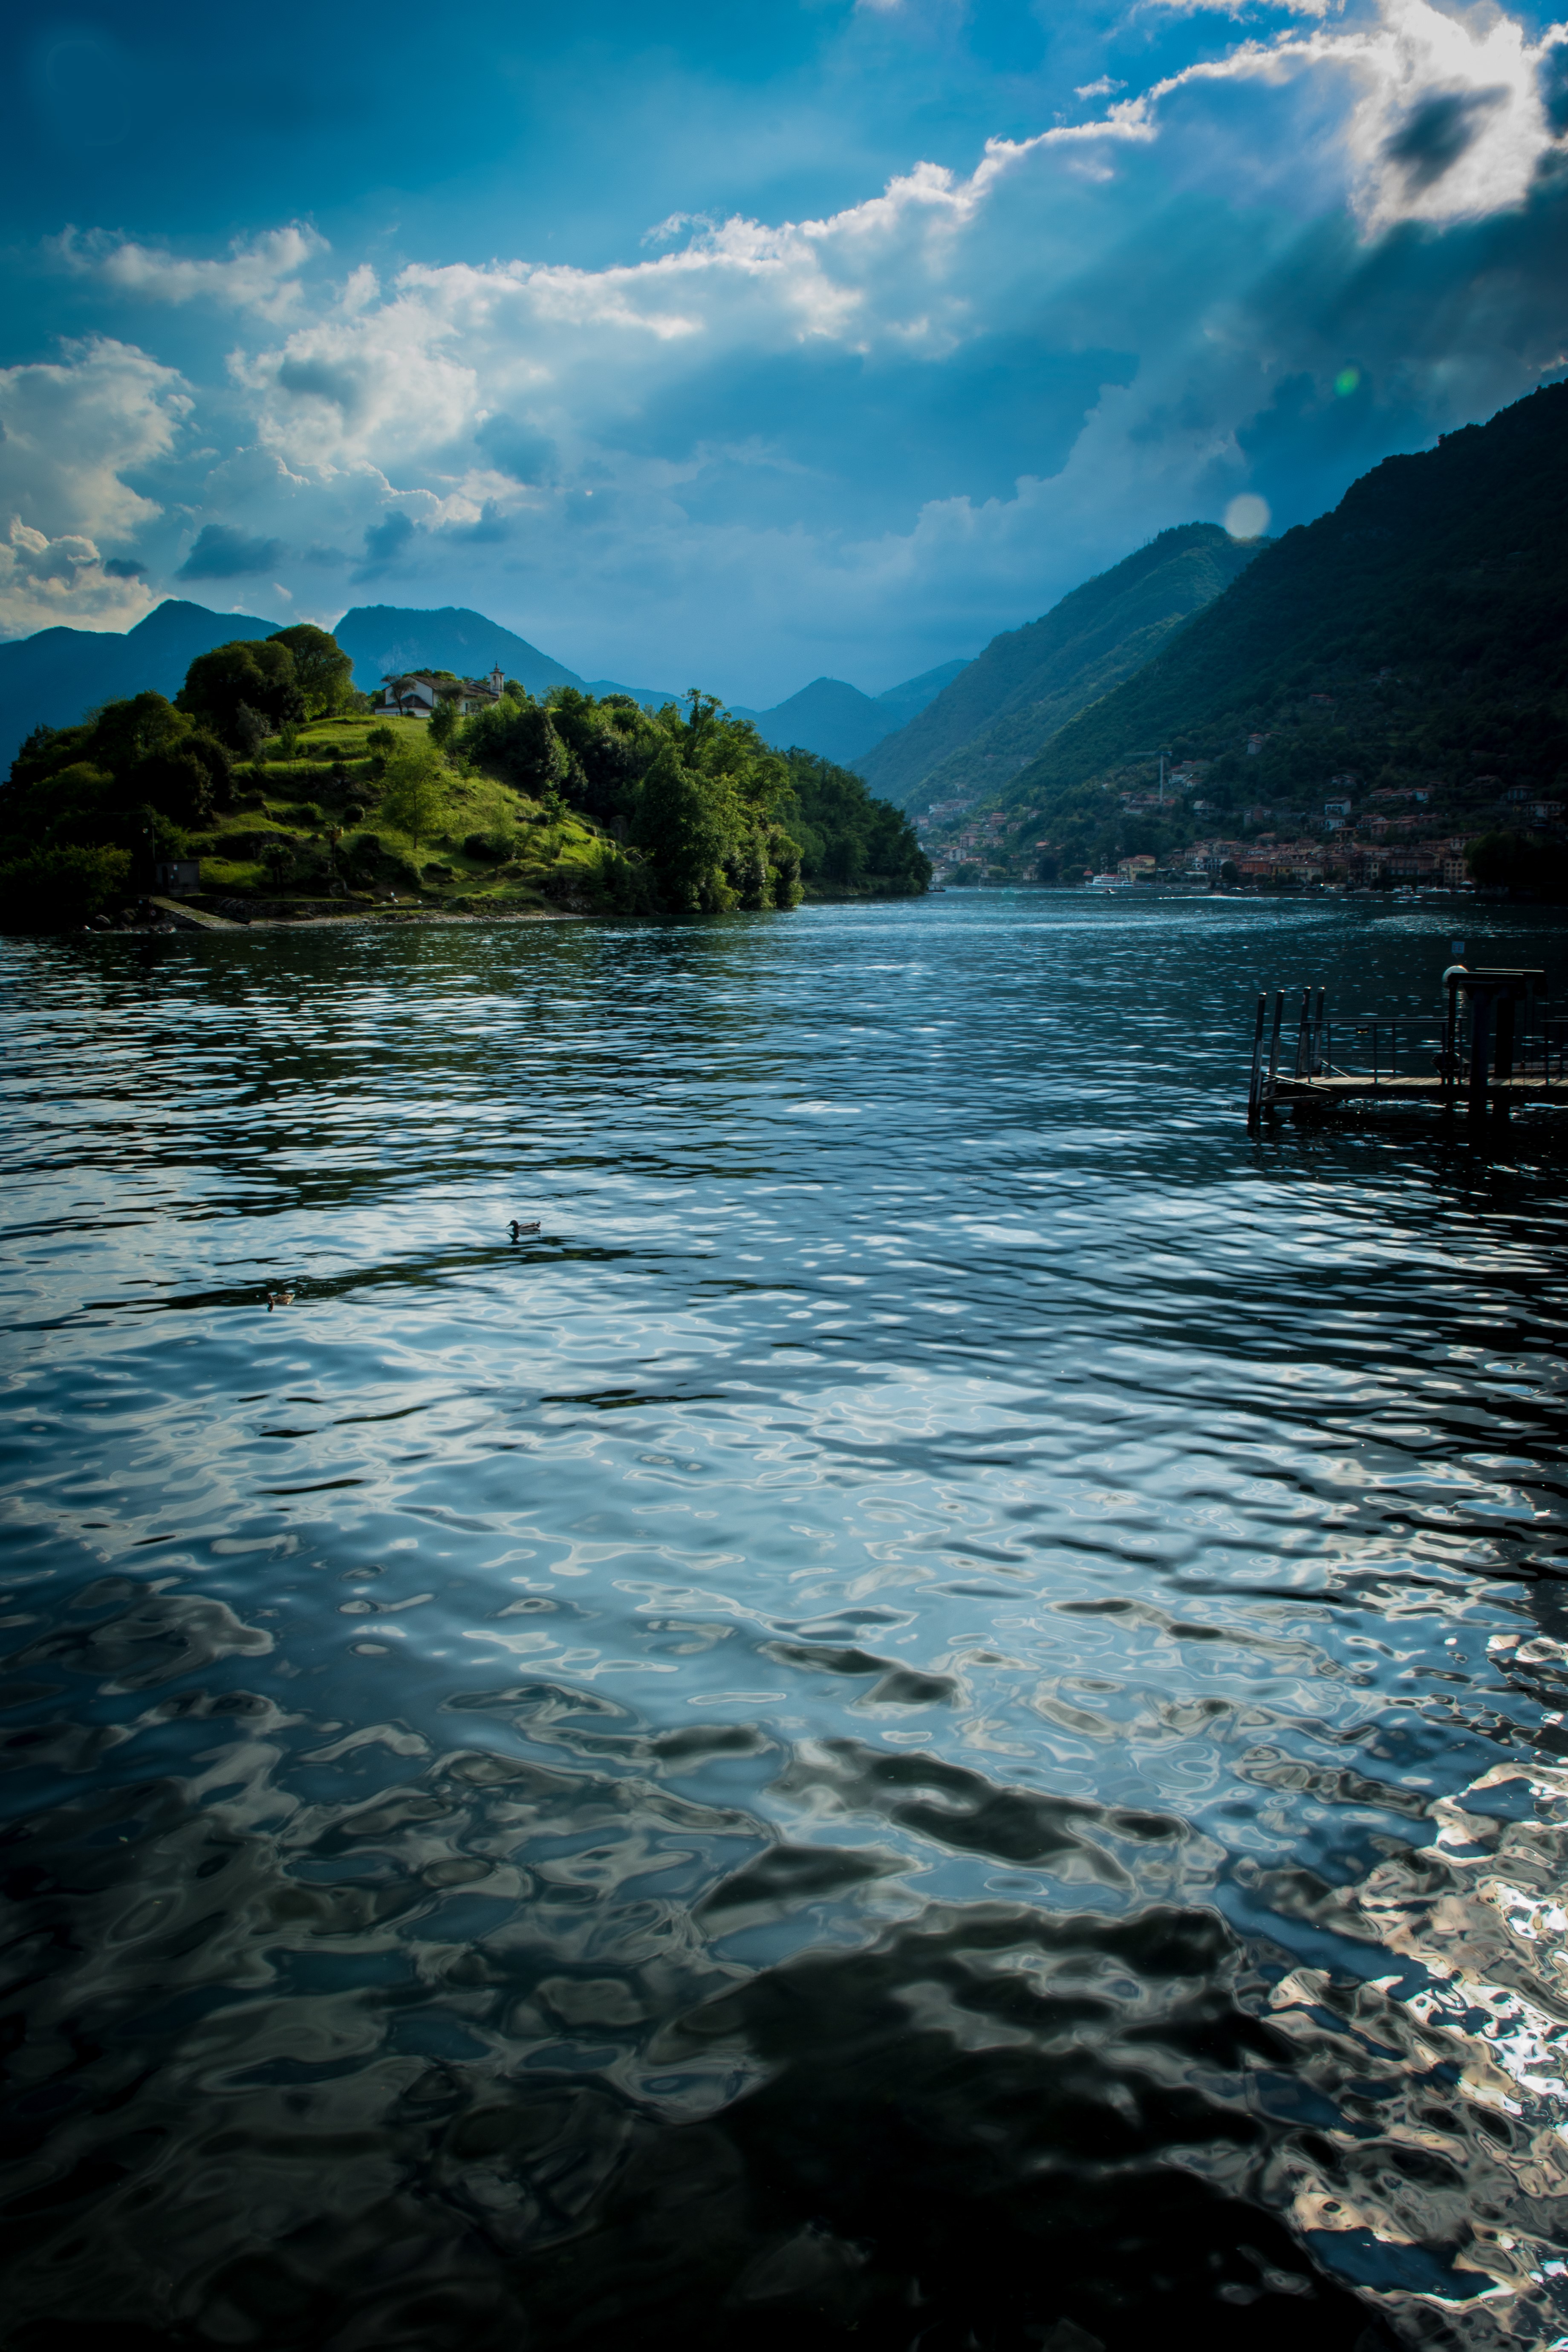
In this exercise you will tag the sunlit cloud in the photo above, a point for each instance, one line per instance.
(261, 274)
(943, 402)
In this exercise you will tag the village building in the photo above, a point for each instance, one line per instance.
(415, 693)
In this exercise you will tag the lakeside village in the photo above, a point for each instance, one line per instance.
(1214, 822)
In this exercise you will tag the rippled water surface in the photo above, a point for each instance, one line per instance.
(935, 1716)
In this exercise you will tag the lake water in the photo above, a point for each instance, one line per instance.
(935, 1717)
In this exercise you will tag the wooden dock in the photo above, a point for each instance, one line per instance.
(1496, 1047)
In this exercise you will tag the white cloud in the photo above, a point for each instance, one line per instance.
(1445, 122)
(73, 426)
(261, 275)
(1241, 8)
(1449, 123)
(43, 581)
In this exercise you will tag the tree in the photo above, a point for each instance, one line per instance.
(323, 671)
(446, 720)
(847, 836)
(519, 742)
(687, 822)
(414, 796)
(258, 675)
(133, 762)
(250, 731)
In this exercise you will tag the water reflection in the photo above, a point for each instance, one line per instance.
(935, 1716)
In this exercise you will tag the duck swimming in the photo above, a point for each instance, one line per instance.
(516, 1229)
(279, 1298)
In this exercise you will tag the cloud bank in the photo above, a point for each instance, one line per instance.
(861, 442)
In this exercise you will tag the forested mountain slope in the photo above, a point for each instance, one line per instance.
(1003, 706)
(1421, 625)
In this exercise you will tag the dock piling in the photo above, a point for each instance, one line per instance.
(1274, 1048)
(1480, 1046)
(1255, 1090)
(1504, 1056)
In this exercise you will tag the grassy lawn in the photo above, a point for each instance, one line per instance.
(299, 804)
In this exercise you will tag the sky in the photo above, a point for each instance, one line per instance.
(733, 347)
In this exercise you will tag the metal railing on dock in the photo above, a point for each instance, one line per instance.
(1495, 1043)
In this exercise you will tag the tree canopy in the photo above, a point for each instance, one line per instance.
(323, 671)
(121, 779)
(689, 793)
(415, 790)
(847, 838)
(247, 677)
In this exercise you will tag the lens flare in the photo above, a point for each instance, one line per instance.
(1346, 381)
(1247, 516)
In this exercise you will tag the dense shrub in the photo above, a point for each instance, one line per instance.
(58, 888)
(848, 839)
(492, 846)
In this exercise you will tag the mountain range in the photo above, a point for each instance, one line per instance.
(54, 677)
(1457, 555)
(1418, 628)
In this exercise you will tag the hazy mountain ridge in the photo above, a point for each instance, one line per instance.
(1006, 704)
(840, 722)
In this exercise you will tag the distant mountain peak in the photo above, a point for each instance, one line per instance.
(383, 640)
(838, 721)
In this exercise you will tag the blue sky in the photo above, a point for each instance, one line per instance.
(702, 344)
